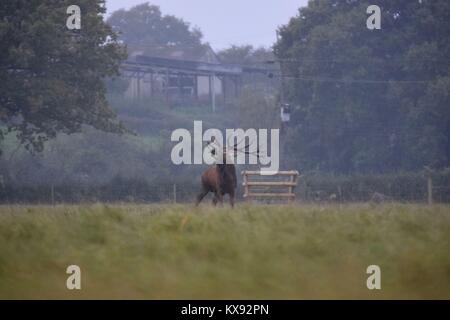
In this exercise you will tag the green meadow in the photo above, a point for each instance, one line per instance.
(252, 252)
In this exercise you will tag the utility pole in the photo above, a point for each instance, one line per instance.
(212, 88)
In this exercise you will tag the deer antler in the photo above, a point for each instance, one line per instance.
(245, 148)
(235, 146)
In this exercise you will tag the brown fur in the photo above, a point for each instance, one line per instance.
(220, 180)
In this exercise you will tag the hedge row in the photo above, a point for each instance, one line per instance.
(410, 187)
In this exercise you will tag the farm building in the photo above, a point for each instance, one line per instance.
(174, 78)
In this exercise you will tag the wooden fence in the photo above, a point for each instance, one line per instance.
(279, 186)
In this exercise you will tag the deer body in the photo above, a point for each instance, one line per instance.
(220, 180)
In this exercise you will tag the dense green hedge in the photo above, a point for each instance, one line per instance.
(117, 190)
(408, 187)
(395, 187)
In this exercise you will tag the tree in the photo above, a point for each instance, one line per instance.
(260, 83)
(368, 100)
(246, 55)
(51, 78)
(256, 110)
(144, 28)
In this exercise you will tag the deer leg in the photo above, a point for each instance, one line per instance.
(232, 199)
(201, 196)
(219, 197)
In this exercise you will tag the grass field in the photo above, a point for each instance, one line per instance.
(260, 252)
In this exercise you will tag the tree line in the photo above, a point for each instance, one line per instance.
(364, 101)
(368, 100)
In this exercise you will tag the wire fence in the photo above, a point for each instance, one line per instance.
(308, 190)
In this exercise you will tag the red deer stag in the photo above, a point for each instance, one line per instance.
(220, 179)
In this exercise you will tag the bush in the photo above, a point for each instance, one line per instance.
(397, 187)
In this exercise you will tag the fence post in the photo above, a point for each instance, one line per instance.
(290, 184)
(52, 194)
(174, 193)
(430, 190)
(245, 184)
(291, 188)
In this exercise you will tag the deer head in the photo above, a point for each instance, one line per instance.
(228, 152)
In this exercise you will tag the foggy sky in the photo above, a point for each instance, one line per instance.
(226, 22)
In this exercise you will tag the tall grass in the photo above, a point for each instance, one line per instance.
(262, 252)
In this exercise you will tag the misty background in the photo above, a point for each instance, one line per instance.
(225, 23)
(369, 110)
